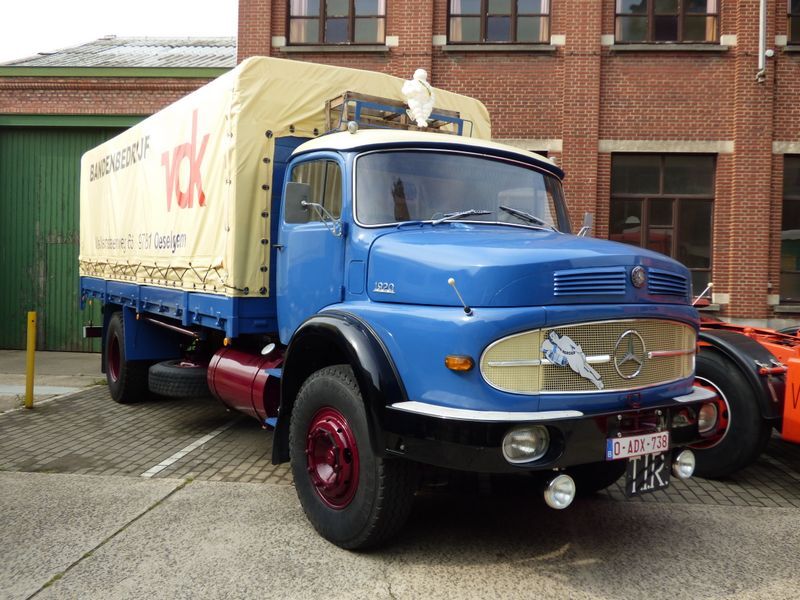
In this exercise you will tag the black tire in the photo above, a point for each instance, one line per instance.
(593, 477)
(747, 432)
(179, 379)
(366, 499)
(127, 380)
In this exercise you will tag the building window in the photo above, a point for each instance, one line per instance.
(646, 21)
(665, 203)
(793, 28)
(499, 22)
(790, 231)
(337, 21)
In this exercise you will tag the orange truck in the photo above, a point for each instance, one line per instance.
(756, 374)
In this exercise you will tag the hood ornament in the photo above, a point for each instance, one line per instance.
(562, 351)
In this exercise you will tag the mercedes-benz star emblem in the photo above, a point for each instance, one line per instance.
(629, 353)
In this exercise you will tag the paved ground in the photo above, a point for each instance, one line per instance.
(173, 499)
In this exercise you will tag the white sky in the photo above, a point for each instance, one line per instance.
(31, 26)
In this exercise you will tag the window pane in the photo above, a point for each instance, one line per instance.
(304, 31)
(659, 239)
(534, 7)
(498, 29)
(465, 7)
(701, 6)
(700, 29)
(665, 29)
(626, 222)
(499, 7)
(532, 29)
(635, 174)
(628, 7)
(694, 241)
(689, 175)
(336, 31)
(370, 7)
(660, 213)
(305, 8)
(794, 6)
(631, 29)
(333, 189)
(465, 29)
(790, 221)
(794, 28)
(369, 31)
(700, 281)
(791, 176)
(337, 8)
(668, 7)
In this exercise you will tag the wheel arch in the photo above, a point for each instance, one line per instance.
(745, 353)
(332, 338)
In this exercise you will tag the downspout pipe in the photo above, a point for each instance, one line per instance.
(761, 75)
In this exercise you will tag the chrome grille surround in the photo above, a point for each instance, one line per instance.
(516, 364)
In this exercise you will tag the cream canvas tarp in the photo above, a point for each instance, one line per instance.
(183, 198)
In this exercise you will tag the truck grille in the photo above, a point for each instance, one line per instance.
(578, 282)
(667, 284)
(665, 349)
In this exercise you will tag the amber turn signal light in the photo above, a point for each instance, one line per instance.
(458, 363)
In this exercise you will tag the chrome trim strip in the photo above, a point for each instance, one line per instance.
(599, 359)
(488, 416)
(668, 353)
(697, 394)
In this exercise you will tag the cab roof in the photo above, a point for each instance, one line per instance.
(366, 139)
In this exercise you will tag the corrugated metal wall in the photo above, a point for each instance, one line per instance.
(39, 180)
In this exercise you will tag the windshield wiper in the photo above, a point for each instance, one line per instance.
(460, 215)
(526, 216)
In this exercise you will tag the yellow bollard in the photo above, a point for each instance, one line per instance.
(29, 360)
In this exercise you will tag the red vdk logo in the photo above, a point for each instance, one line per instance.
(188, 151)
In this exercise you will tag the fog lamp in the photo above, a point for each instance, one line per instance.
(560, 492)
(526, 444)
(707, 417)
(683, 465)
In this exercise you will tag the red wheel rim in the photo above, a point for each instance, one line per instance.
(332, 458)
(114, 360)
(720, 430)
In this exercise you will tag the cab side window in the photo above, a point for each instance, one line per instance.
(324, 178)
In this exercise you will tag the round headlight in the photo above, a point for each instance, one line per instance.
(525, 444)
(683, 467)
(637, 276)
(560, 492)
(707, 417)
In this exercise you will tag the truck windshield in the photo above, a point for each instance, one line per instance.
(420, 185)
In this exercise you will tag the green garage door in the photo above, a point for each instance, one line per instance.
(39, 180)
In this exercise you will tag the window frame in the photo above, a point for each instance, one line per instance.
(483, 14)
(650, 15)
(792, 16)
(677, 199)
(321, 19)
(785, 196)
(313, 215)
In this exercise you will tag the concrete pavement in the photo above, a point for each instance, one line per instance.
(55, 374)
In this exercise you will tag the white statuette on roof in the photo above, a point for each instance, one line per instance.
(419, 97)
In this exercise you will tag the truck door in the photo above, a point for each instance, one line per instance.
(310, 256)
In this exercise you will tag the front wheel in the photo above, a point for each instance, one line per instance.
(741, 433)
(352, 497)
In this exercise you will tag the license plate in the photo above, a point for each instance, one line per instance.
(637, 445)
(647, 473)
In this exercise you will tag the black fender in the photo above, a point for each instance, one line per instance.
(333, 338)
(746, 353)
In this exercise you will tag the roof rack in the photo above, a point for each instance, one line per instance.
(384, 113)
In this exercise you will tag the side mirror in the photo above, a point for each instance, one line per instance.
(295, 209)
(588, 220)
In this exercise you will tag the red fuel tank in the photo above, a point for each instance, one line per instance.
(241, 381)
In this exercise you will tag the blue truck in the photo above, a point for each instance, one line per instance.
(383, 296)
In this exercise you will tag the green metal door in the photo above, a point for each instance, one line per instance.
(39, 181)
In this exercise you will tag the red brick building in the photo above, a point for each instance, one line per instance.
(653, 108)
(668, 127)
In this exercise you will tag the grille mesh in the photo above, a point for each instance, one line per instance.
(596, 339)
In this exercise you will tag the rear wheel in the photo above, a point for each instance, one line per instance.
(742, 433)
(127, 380)
(352, 497)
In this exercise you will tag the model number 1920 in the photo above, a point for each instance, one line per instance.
(384, 287)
